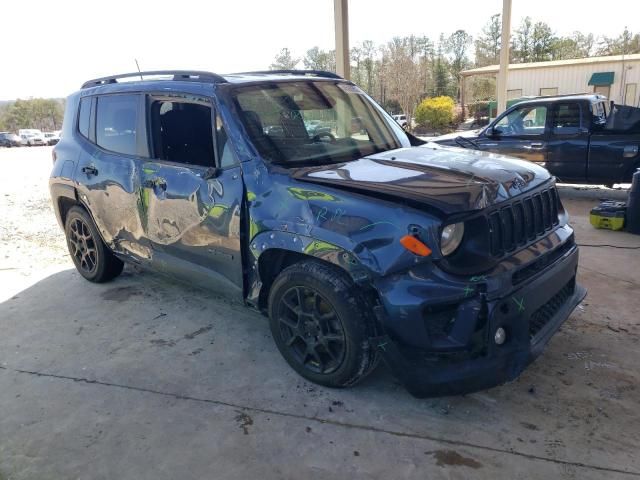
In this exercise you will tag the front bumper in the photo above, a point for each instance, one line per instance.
(530, 314)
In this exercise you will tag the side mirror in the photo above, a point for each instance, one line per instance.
(493, 132)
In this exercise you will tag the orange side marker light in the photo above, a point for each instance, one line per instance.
(414, 245)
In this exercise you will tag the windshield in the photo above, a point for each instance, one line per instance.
(313, 122)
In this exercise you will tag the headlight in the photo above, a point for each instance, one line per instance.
(451, 238)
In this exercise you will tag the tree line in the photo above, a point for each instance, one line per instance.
(405, 70)
(41, 113)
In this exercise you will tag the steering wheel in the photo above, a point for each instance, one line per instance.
(329, 135)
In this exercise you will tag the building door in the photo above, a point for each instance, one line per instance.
(602, 90)
(630, 94)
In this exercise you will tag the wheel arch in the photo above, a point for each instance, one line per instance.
(64, 197)
(272, 252)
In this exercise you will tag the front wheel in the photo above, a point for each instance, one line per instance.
(321, 324)
(93, 260)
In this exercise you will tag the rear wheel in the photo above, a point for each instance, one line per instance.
(93, 260)
(321, 324)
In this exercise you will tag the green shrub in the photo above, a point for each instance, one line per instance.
(435, 112)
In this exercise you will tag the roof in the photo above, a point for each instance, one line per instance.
(590, 97)
(553, 63)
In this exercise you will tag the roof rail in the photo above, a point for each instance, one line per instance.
(316, 73)
(178, 75)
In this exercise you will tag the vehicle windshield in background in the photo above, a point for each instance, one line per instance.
(313, 122)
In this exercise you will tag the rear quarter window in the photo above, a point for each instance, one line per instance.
(84, 116)
(116, 123)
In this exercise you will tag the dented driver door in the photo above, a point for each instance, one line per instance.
(191, 218)
(193, 223)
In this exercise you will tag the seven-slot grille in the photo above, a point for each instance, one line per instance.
(523, 221)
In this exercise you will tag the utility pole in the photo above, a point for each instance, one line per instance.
(623, 91)
(504, 57)
(341, 17)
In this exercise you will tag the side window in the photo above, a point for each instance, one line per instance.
(116, 123)
(526, 120)
(182, 132)
(225, 153)
(84, 116)
(567, 118)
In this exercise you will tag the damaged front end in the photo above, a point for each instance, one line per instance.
(445, 335)
(451, 317)
(475, 315)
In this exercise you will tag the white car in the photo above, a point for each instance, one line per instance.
(32, 136)
(31, 139)
(401, 119)
(51, 138)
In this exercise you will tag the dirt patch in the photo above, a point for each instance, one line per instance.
(200, 331)
(529, 426)
(163, 343)
(445, 458)
(244, 421)
(120, 294)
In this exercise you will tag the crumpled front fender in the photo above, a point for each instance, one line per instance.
(361, 268)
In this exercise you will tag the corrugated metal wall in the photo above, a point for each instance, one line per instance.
(575, 79)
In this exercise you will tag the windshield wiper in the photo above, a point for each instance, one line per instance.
(460, 140)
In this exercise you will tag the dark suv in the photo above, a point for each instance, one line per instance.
(358, 242)
(9, 139)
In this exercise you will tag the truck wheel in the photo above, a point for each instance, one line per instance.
(321, 324)
(92, 258)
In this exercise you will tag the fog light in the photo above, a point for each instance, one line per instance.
(500, 336)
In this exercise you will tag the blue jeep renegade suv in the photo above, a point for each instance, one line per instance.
(358, 240)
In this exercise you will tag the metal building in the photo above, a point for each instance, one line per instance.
(617, 77)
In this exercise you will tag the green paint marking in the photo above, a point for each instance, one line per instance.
(468, 290)
(379, 223)
(519, 303)
(478, 278)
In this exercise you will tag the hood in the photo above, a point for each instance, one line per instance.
(448, 179)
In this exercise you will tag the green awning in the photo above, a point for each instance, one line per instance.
(601, 78)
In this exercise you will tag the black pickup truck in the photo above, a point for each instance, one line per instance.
(578, 138)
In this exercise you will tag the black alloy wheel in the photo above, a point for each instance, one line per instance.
(311, 329)
(92, 258)
(82, 245)
(322, 324)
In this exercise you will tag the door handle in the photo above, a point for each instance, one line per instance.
(535, 146)
(90, 170)
(155, 183)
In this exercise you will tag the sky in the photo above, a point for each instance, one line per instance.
(53, 48)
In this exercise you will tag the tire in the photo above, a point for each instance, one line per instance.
(311, 303)
(92, 258)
